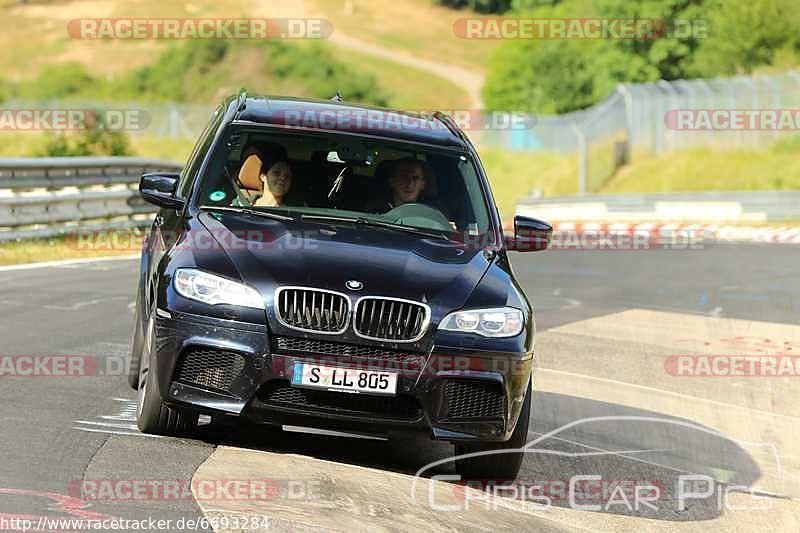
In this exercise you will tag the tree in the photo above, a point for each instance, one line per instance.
(746, 35)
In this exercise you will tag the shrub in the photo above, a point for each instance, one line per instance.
(94, 140)
(165, 79)
(58, 81)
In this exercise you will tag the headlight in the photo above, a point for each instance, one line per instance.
(214, 290)
(498, 322)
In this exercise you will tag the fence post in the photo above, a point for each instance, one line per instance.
(775, 99)
(174, 123)
(583, 159)
(665, 137)
(628, 99)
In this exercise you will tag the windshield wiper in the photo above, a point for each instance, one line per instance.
(247, 211)
(332, 218)
(379, 224)
(409, 229)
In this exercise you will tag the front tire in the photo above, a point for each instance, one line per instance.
(152, 414)
(497, 466)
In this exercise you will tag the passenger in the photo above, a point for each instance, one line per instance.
(276, 183)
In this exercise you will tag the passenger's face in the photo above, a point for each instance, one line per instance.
(407, 183)
(278, 179)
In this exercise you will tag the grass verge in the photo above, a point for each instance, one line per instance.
(709, 170)
(104, 244)
(514, 175)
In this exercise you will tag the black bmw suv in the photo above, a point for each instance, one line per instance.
(338, 267)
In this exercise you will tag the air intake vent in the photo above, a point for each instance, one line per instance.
(312, 309)
(391, 319)
(473, 399)
(209, 368)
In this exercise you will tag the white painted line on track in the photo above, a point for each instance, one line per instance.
(77, 306)
(67, 262)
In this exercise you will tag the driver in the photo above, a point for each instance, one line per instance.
(407, 182)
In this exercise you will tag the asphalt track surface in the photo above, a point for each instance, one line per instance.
(607, 322)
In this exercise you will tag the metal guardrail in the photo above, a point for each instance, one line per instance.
(734, 206)
(47, 197)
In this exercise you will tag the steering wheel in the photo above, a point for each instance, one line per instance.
(419, 215)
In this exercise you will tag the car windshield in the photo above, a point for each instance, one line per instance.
(324, 177)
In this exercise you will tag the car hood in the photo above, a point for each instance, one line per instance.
(271, 253)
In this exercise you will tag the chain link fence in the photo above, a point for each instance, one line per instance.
(643, 117)
(649, 104)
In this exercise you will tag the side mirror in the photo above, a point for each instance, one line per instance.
(530, 235)
(158, 188)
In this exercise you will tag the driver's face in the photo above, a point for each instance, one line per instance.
(407, 183)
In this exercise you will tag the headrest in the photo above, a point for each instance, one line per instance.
(259, 158)
(250, 173)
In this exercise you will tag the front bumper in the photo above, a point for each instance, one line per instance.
(225, 367)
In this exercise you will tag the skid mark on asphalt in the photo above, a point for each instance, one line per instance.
(120, 421)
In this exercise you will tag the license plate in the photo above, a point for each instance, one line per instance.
(352, 380)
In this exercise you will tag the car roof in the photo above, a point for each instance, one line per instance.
(333, 116)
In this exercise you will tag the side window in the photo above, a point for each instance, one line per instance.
(189, 172)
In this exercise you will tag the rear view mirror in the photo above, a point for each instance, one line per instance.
(350, 153)
(159, 188)
(333, 157)
(530, 235)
